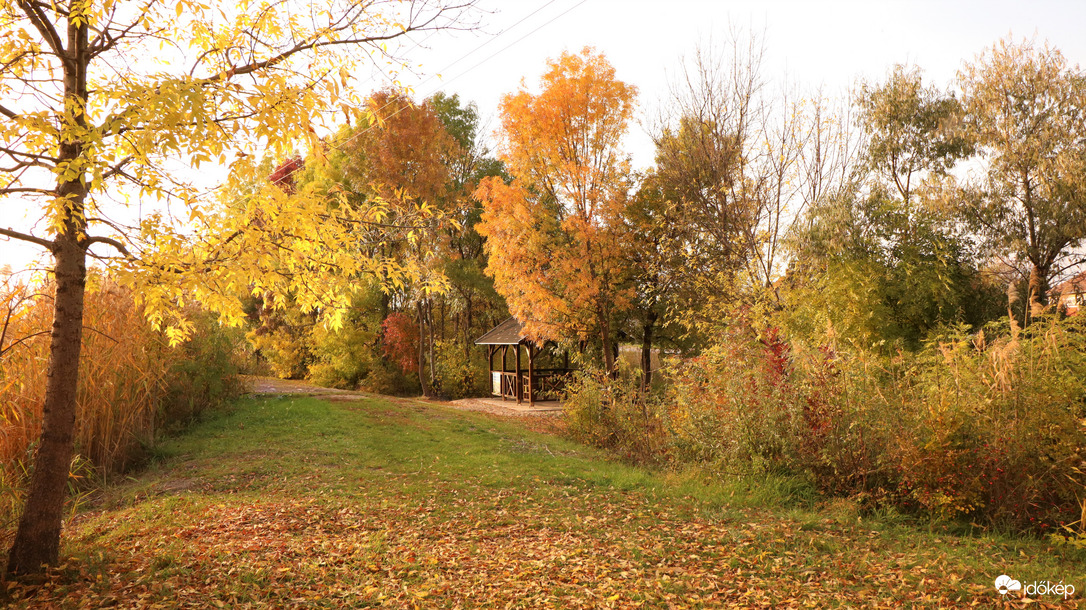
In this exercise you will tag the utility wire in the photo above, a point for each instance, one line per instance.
(465, 56)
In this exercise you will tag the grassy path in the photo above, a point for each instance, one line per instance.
(301, 502)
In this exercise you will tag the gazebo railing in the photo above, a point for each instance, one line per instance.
(509, 385)
(545, 384)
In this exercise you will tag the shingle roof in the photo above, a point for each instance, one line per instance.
(509, 332)
(1075, 285)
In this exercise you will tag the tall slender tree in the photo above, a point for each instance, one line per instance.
(553, 232)
(1027, 107)
(82, 122)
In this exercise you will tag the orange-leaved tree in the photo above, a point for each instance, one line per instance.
(405, 159)
(554, 232)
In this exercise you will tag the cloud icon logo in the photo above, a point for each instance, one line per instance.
(1005, 584)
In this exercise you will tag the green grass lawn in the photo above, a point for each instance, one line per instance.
(300, 502)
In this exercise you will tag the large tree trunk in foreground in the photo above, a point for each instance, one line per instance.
(37, 542)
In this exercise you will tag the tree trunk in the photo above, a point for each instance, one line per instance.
(608, 353)
(430, 325)
(1038, 291)
(467, 325)
(37, 541)
(426, 391)
(646, 350)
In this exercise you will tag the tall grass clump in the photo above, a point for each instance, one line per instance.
(132, 383)
(985, 427)
(611, 412)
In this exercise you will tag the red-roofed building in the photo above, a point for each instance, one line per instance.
(1071, 295)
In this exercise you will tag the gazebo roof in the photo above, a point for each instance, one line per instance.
(509, 332)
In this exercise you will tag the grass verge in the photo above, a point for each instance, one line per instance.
(301, 502)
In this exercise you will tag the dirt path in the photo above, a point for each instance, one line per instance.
(276, 386)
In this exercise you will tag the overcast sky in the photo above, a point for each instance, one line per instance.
(811, 43)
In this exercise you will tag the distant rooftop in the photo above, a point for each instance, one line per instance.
(1075, 285)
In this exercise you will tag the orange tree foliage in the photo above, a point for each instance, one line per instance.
(554, 232)
(399, 341)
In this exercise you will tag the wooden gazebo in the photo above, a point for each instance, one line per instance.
(521, 378)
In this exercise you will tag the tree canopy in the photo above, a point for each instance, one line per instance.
(553, 233)
(105, 103)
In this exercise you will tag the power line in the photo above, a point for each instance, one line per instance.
(465, 56)
(506, 47)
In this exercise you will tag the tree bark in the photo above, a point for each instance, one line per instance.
(1038, 291)
(37, 541)
(608, 354)
(646, 350)
(426, 390)
(430, 326)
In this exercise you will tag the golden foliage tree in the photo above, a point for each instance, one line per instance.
(554, 232)
(103, 101)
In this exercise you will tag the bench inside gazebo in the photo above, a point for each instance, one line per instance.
(515, 365)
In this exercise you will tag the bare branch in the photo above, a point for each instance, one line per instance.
(12, 190)
(11, 114)
(44, 26)
(316, 42)
(118, 168)
(22, 340)
(45, 243)
(109, 242)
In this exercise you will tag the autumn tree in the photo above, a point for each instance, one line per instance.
(419, 163)
(472, 299)
(702, 161)
(658, 244)
(914, 131)
(1027, 107)
(102, 103)
(405, 158)
(739, 166)
(553, 231)
(887, 264)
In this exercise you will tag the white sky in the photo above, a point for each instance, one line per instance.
(811, 43)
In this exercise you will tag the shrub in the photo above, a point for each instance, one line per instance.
(998, 433)
(400, 341)
(611, 413)
(387, 378)
(203, 371)
(734, 406)
(986, 427)
(285, 348)
(344, 357)
(460, 374)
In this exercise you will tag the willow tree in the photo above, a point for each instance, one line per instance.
(106, 104)
(553, 233)
(1028, 108)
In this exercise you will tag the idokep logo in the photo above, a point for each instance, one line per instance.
(1005, 584)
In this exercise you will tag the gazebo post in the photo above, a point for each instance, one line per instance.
(490, 349)
(518, 385)
(501, 383)
(531, 382)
